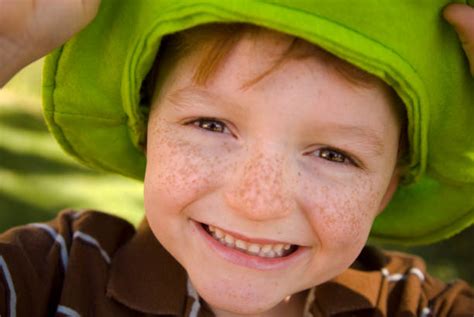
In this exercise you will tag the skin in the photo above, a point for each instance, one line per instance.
(461, 17)
(318, 206)
(263, 176)
(30, 29)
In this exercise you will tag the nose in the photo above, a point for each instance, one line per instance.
(260, 188)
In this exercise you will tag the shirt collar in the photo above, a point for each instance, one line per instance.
(145, 277)
(362, 287)
(359, 291)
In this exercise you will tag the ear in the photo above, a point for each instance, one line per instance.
(391, 189)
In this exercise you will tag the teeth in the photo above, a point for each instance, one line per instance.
(278, 247)
(254, 249)
(219, 233)
(265, 250)
(229, 240)
(271, 254)
(241, 244)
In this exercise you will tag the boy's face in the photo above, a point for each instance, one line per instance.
(303, 157)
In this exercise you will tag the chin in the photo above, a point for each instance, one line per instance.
(242, 298)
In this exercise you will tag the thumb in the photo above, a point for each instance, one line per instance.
(461, 17)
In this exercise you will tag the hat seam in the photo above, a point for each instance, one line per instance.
(56, 128)
(118, 120)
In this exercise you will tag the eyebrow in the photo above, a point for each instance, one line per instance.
(190, 97)
(374, 140)
(185, 98)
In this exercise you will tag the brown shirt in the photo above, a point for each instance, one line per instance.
(94, 264)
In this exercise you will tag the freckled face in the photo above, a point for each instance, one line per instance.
(302, 157)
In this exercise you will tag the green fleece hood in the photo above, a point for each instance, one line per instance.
(92, 89)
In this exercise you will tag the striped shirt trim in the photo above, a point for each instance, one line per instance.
(11, 287)
(398, 276)
(417, 272)
(57, 238)
(75, 215)
(425, 312)
(309, 302)
(196, 304)
(93, 242)
(66, 311)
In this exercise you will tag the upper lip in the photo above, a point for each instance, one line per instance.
(249, 239)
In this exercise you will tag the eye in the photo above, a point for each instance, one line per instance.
(335, 156)
(210, 124)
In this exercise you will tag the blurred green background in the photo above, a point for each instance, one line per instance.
(37, 179)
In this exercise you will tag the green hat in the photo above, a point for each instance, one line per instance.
(93, 107)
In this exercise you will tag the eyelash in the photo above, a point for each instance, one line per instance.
(208, 120)
(338, 156)
(329, 154)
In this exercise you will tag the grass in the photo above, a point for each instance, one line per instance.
(37, 180)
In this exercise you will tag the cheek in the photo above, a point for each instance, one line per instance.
(342, 214)
(177, 169)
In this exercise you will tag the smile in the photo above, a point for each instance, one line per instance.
(254, 248)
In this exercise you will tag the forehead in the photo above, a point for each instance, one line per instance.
(253, 56)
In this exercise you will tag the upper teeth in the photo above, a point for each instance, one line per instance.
(263, 250)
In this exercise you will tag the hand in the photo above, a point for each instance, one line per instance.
(30, 29)
(461, 16)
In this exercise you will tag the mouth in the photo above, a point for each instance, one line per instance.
(265, 249)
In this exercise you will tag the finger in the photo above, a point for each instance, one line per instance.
(90, 8)
(461, 17)
(59, 20)
(77, 12)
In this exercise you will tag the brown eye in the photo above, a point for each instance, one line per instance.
(333, 156)
(210, 124)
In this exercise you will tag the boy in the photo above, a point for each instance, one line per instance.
(267, 161)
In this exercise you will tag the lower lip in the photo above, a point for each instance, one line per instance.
(251, 261)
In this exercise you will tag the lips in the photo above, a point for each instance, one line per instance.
(248, 257)
(258, 248)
